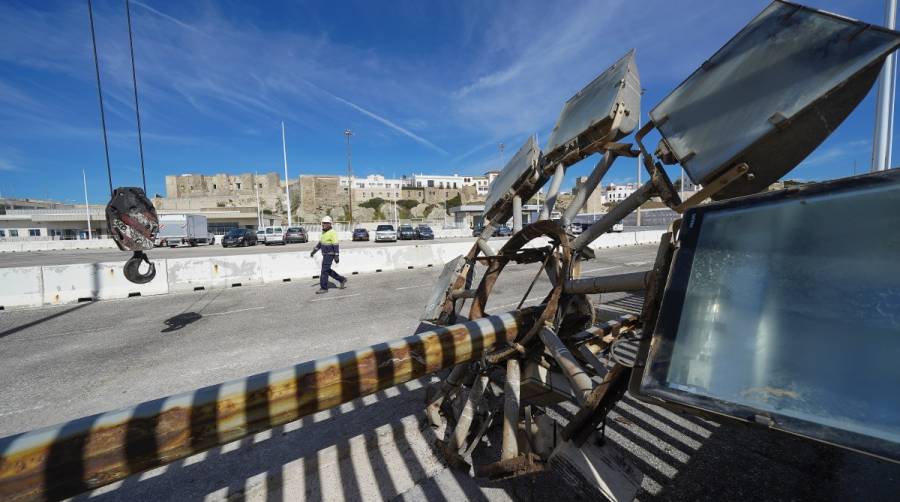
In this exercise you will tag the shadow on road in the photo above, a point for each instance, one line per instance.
(27, 325)
(181, 320)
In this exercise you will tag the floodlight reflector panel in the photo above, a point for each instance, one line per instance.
(784, 309)
(772, 94)
(516, 174)
(606, 109)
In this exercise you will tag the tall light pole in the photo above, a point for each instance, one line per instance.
(258, 213)
(87, 207)
(349, 133)
(287, 179)
(638, 214)
(884, 111)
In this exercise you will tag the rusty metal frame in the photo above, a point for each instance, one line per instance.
(64, 460)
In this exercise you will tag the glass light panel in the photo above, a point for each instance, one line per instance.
(793, 308)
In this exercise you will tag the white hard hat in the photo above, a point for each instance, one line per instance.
(326, 219)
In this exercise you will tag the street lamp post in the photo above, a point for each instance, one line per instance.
(349, 133)
(87, 205)
(287, 179)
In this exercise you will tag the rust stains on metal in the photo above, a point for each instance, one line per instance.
(67, 459)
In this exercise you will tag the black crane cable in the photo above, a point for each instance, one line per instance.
(137, 110)
(100, 96)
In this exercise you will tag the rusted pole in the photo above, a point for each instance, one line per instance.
(578, 378)
(511, 407)
(634, 281)
(64, 460)
(467, 415)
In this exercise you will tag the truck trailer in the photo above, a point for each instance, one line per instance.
(178, 229)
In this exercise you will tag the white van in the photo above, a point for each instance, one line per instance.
(275, 235)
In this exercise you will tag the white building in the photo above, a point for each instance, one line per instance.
(481, 183)
(375, 181)
(618, 193)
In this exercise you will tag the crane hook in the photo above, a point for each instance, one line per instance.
(132, 269)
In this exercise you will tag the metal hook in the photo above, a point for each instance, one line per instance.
(131, 269)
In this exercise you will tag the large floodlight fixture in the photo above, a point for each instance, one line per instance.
(606, 110)
(771, 316)
(771, 95)
(521, 176)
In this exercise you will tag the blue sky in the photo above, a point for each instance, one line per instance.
(426, 86)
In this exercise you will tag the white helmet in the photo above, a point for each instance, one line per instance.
(326, 219)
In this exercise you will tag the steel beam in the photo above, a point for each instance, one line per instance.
(511, 410)
(553, 192)
(581, 196)
(578, 378)
(70, 458)
(634, 281)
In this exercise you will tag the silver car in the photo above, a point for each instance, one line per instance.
(274, 235)
(385, 233)
(261, 236)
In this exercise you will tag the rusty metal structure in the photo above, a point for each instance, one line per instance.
(746, 117)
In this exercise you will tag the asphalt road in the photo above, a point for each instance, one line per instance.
(66, 257)
(60, 363)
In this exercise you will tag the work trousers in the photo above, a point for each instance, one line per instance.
(327, 272)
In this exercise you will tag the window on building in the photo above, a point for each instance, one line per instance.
(260, 186)
(454, 184)
(430, 183)
(214, 186)
(34, 232)
(13, 233)
(192, 187)
(239, 186)
(222, 228)
(2, 233)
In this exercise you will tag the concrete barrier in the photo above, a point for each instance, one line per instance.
(21, 287)
(97, 281)
(50, 285)
(282, 267)
(189, 274)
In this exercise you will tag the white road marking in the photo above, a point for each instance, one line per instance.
(411, 287)
(636, 263)
(334, 297)
(233, 311)
(599, 269)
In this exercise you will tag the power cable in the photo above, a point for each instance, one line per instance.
(137, 110)
(100, 96)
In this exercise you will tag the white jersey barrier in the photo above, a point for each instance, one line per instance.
(189, 274)
(60, 284)
(21, 287)
(97, 281)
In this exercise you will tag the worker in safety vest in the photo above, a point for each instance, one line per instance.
(331, 250)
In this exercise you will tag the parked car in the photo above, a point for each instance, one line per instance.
(424, 232)
(295, 234)
(503, 231)
(406, 233)
(261, 235)
(385, 233)
(576, 228)
(360, 234)
(274, 235)
(618, 227)
(241, 237)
